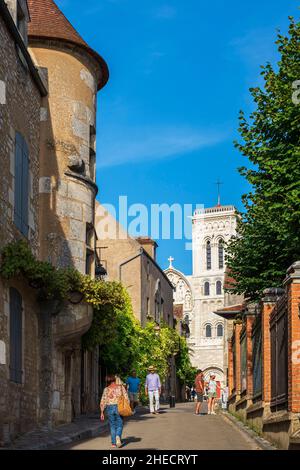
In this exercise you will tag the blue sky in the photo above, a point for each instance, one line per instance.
(179, 74)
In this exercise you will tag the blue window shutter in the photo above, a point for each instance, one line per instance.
(18, 181)
(15, 348)
(25, 189)
(21, 184)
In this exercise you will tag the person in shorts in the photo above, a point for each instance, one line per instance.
(212, 394)
(133, 387)
(199, 388)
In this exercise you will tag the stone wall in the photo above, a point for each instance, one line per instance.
(19, 112)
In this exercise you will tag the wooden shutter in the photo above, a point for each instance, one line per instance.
(15, 344)
(21, 184)
(25, 188)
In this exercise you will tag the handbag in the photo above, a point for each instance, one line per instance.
(124, 408)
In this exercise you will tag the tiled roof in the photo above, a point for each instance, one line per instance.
(231, 311)
(232, 308)
(47, 21)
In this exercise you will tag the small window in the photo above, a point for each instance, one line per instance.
(208, 331)
(219, 288)
(208, 255)
(220, 331)
(21, 22)
(221, 254)
(15, 329)
(92, 162)
(21, 185)
(89, 261)
(89, 233)
(206, 288)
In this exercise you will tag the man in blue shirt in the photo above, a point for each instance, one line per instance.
(133, 388)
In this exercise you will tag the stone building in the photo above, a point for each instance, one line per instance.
(203, 292)
(49, 78)
(21, 94)
(133, 262)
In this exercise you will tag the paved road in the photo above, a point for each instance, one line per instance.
(175, 429)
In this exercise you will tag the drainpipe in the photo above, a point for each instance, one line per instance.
(140, 252)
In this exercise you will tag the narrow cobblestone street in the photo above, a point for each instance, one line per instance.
(175, 429)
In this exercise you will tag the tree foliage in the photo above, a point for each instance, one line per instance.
(268, 235)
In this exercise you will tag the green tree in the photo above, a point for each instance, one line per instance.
(268, 238)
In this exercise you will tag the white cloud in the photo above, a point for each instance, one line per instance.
(148, 144)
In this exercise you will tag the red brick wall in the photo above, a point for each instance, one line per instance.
(293, 291)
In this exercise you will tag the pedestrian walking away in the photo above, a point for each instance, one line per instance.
(153, 389)
(109, 403)
(133, 387)
(212, 394)
(200, 389)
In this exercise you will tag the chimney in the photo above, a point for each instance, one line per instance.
(149, 245)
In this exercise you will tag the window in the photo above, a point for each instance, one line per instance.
(219, 288)
(162, 309)
(90, 254)
(208, 331)
(219, 330)
(208, 255)
(92, 162)
(21, 184)
(21, 22)
(206, 288)
(15, 335)
(221, 254)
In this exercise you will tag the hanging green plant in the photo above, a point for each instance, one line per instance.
(124, 343)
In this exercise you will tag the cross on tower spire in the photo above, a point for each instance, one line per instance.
(219, 184)
(171, 261)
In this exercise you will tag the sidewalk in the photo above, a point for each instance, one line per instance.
(84, 427)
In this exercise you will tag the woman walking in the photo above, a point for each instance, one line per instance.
(109, 403)
(212, 395)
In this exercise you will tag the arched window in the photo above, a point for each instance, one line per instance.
(221, 253)
(206, 288)
(220, 330)
(208, 255)
(208, 331)
(219, 288)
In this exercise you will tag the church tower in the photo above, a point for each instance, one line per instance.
(198, 296)
(212, 229)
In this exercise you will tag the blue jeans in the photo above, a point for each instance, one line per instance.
(115, 422)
